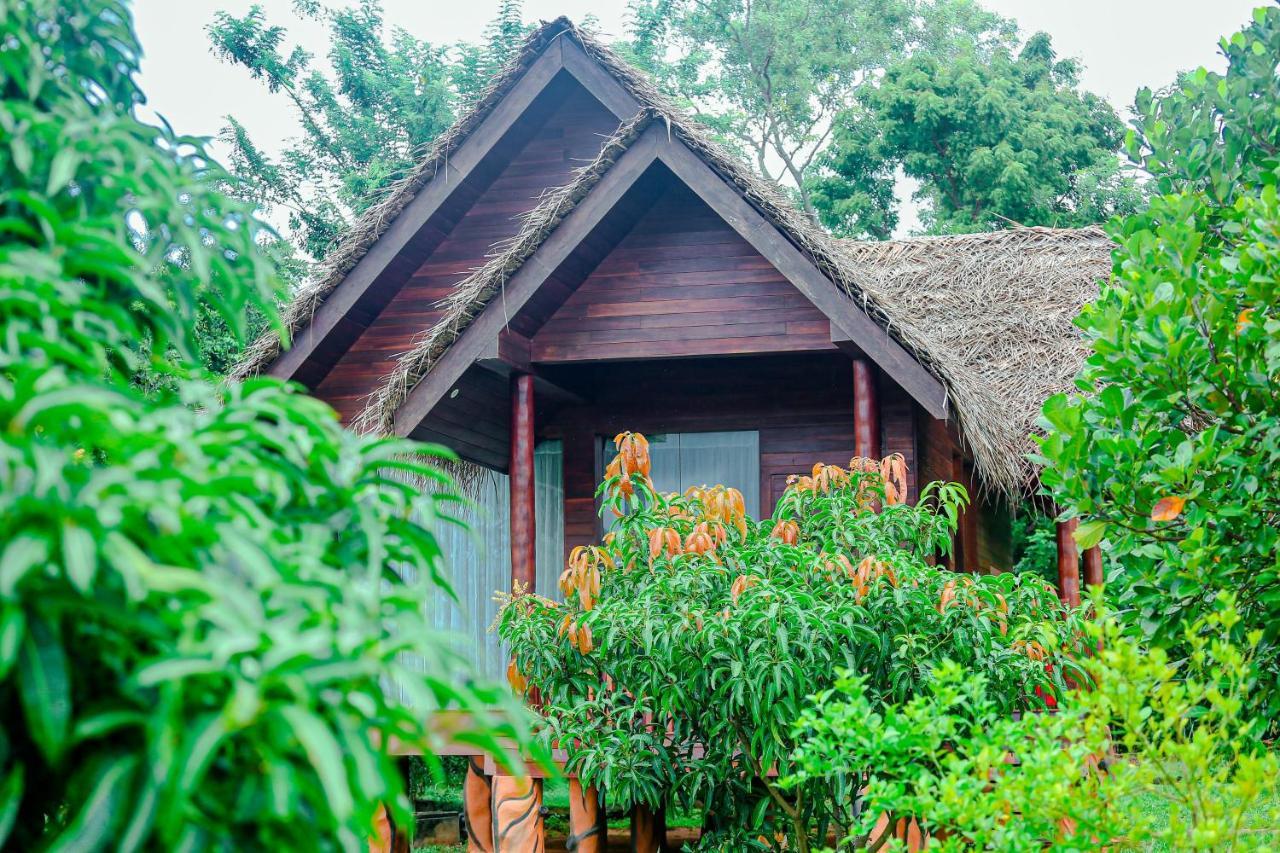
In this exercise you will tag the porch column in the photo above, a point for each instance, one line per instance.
(866, 411)
(1068, 563)
(1093, 566)
(523, 535)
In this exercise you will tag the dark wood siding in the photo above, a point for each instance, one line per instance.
(681, 283)
(802, 406)
(570, 136)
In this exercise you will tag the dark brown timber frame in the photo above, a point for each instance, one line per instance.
(563, 54)
(656, 145)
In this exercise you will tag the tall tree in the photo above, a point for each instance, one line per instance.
(770, 76)
(994, 138)
(381, 99)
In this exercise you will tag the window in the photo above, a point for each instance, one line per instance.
(478, 560)
(684, 459)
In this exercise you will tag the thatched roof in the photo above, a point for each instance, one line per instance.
(988, 314)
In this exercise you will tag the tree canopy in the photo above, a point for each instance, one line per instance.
(771, 76)
(364, 118)
(1171, 451)
(995, 138)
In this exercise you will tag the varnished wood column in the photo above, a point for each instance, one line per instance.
(1093, 567)
(648, 830)
(866, 411)
(1068, 563)
(523, 533)
(477, 806)
(518, 826)
(588, 832)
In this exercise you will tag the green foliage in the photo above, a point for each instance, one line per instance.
(1173, 444)
(993, 137)
(1148, 728)
(689, 640)
(210, 596)
(771, 75)
(382, 99)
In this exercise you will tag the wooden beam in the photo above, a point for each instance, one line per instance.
(526, 280)
(879, 346)
(602, 85)
(518, 825)
(1093, 567)
(588, 831)
(655, 143)
(866, 411)
(509, 354)
(416, 214)
(1068, 563)
(523, 531)
(477, 806)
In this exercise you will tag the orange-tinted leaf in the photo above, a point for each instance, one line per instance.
(1243, 319)
(1167, 509)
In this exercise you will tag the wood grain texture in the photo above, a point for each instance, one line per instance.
(477, 808)
(1068, 563)
(866, 411)
(568, 134)
(523, 488)
(681, 283)
(588, 831)
(801, 405)
(518, 825)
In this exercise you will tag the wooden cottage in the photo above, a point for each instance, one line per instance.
(575, 258)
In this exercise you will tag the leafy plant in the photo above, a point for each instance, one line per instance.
(690, 637)
(770, 76)
(1171, 449)
(211, 596)
(993, 136)
(363, 123)
(1076, 780)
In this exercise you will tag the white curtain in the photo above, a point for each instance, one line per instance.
(681, 460)
(479, 559)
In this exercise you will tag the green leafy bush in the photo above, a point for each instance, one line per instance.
(1171, 453)
(1148, 730)
(211, 597)
(691, 636)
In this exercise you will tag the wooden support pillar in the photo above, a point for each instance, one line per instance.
(866, 411)
(648, 829)
(1068, 563)
(523, 534)
(477, 807)
(518, 826)
(1093, 567)
(588, 831)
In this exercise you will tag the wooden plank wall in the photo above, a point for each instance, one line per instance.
(681, 283)
(575, 124)
(802, 406)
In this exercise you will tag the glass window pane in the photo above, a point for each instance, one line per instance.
(684, 459)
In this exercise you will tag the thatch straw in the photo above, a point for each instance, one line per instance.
(989, 314)
(995, 313)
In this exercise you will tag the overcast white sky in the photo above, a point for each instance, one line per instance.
(1124, 44)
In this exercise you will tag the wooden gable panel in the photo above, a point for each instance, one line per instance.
(681, 283)
(574, 126)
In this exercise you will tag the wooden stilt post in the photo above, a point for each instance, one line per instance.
(588, 832)
(518, 826)
(1093, 567)
(1068, 563)
(477, 807)
(648, 829)
(523, 533)
(866, 411)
